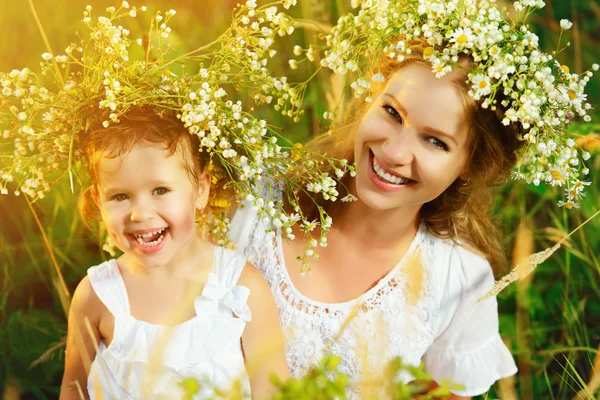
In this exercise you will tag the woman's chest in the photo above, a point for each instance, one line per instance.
(337, 275)
(366, 336)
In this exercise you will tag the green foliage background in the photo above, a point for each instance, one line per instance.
(551, 323)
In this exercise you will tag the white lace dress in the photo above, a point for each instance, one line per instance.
(447, 328)
(206, 347)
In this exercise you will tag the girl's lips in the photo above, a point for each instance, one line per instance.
(150, 249)
(381, 184)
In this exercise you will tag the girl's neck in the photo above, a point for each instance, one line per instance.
(197, 253)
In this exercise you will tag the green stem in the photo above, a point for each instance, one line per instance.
(46, 42)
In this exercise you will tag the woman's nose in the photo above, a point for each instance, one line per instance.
(399, 148)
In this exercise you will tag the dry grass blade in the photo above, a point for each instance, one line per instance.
(594, 383)
(521, 271)
(555, 235)
(97, 388)
(47, 355)
(46, 42)
(63, 285)
(530, 263)
(506, 386)
(524, 245)
(11, 390)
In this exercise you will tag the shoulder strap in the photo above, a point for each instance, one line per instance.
(228, 265)
(108, 284)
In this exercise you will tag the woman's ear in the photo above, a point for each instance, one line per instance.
(202, 190)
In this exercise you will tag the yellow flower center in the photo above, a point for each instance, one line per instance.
(569, 205)
(462, 39)
(428, 52)
(556, 175)
(482, 84)
(494, 50)
(572, 94)
(220, 203)
(565, 68)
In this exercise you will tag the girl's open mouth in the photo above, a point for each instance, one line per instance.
(150, 242)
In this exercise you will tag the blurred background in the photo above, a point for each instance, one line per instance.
(551, 321)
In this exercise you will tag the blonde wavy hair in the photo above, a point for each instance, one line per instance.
(462, 212)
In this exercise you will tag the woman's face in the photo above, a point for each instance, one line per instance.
(411, 145)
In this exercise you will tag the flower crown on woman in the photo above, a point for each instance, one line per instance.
(535, 92)
(113, 74)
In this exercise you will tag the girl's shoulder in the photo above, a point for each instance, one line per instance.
(228, 265)
(107, 283)
(86, 301)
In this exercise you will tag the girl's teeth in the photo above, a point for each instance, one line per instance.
(149, 234)
(150, 244)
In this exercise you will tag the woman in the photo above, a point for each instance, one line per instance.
(406, 264)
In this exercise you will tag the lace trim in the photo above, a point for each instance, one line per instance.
(381, 321)
(368, 300)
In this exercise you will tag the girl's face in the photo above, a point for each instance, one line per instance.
(149, 204)
(411, 145)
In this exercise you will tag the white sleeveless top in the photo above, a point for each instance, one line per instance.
(456, 336)
(149, 361)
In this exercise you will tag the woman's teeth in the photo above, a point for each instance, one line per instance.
(386, 176)
(140, 237)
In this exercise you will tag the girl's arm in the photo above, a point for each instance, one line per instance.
(262, 339)
(82, 341)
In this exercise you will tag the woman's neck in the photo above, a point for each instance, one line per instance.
(360, 223)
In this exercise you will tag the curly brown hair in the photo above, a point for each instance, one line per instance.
(142, 125)
(462, 212)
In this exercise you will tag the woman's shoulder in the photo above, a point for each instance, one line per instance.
(462, 265)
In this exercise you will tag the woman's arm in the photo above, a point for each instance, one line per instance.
(82, 340)
(262, 339)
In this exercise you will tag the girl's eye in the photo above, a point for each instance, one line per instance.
(160, 191)
(392, 112)
(119, 197)
(438, 143)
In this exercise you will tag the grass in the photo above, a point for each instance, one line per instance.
(550, 321)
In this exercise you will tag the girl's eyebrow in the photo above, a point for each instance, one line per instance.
(429, 129)
(112, 190)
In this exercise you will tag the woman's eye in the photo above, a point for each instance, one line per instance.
(160, 191)
(438, 143)
(392, 112)
(119, 197)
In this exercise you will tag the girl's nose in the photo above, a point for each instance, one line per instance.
(140, 211)
(399, 148)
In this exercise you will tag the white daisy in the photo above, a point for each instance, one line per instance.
(481, 85)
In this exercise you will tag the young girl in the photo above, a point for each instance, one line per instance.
(173, 306)
(406, 265)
